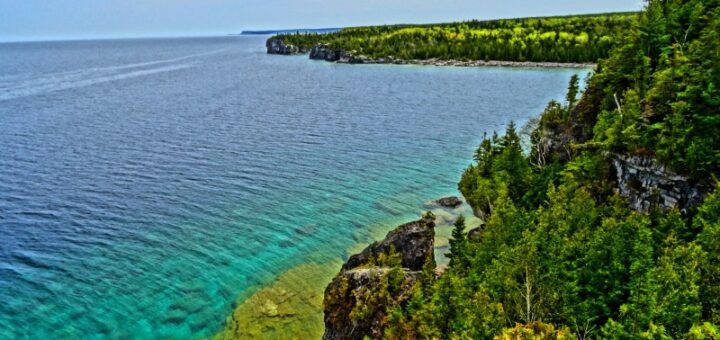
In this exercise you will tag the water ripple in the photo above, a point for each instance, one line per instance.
(145, 185)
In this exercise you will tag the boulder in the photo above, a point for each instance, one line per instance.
(451, 202)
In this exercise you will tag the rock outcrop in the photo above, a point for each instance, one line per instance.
(277, 46)
(333, 54)
(327, 53)
(475, 234)
(647, 183)
(641, 179)
(338, 55)
(464, 63)
(413, 241)
(554, 143)
(357, 299)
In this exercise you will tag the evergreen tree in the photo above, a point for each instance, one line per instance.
(459, 246)
(562, 252)
(708, 221)
(573, 89)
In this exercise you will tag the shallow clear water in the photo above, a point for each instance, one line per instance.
(145, 185)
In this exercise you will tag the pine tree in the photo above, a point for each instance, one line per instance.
(708, 220)
(573, 89)
(458, 246)
(511, 165)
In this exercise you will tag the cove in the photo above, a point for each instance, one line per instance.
(148, 186)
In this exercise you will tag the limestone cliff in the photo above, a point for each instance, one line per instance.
(647, 183)
(277, 46)
(326, 52)
(357, 299)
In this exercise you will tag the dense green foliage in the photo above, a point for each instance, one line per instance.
(666, 78)
(555, 39)
(563, 255)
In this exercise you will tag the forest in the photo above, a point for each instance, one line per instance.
(583, 38)
(562, 255)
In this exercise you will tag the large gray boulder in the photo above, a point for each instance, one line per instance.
(450, 202)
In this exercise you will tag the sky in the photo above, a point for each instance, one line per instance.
(26, 20)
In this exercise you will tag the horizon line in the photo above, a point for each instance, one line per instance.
(239, 33)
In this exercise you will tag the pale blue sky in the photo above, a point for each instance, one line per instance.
(83, 19)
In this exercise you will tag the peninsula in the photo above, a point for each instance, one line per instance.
(569, 41)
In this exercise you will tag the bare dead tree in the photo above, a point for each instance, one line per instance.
(617, 103)
(682, 44)
(584, 332)
(530, 296)
(541, 149)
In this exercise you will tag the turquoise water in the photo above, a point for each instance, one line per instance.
(145, 185)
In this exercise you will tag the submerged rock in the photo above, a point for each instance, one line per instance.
(451, 202)
(357, 299)
(293, 304)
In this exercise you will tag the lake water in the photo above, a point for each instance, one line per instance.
(146, 185)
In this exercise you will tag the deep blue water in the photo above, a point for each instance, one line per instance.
(146, 184)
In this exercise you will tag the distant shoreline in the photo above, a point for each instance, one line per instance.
(467, 63)
(326, 53)
(361, 60)
(291, 31)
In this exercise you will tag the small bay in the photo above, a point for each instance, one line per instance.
(147, 185)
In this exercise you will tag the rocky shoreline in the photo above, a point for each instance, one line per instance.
(474, 63)
(294, 302)
(328, 53)
(357, 300)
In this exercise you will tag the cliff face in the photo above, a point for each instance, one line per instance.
(647, 183)
(337, 55)
(357, 299)
(327, 53)
(641, 179)
(277, 46)
(412, 241)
